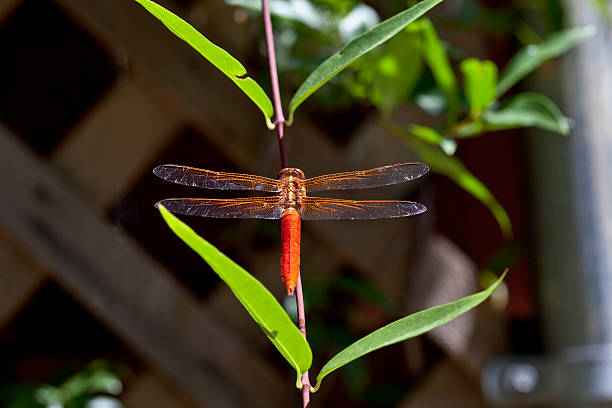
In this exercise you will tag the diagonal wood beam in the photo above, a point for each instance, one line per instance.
(7, 7)
(126, 289)
(203, 95)
(20, 277)
(115, 143)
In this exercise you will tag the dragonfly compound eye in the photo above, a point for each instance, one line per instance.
(291, 172)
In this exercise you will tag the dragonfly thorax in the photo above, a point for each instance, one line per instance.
(292, 189)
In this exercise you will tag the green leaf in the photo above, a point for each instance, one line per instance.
(528, 110)
(454, 169)
(437, 60)
(406, 328)
(217, 56)
(356, 48)
(480, 79)
(387, 76)
(427, 134)
(94, 379)
(256, 299)
(532, 56)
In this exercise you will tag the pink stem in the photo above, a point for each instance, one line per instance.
(279, 121)
(299, 298)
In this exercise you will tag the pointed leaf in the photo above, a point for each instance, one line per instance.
(217, 56)
(408, 327)
(528, 109)
(480, 81)
(257, 300)
(532, 56)
(451, 167)
(356, 48)
(435, 56)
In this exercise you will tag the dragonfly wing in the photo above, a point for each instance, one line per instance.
(261, 207)
(191, 176)
(378, 177)
(317, 208)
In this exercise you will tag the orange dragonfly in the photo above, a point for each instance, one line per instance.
(291, 204)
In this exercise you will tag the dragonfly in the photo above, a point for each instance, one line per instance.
(290, 203)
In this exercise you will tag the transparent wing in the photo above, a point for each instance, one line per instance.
(317, 208)
(378, 177)
(260, 207)
(191, 176)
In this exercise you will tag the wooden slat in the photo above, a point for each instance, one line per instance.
(126, 289)
(151, 390)
(20, 277)
(445, 386)
(445, 275)
(203, 94)
(109, 149)
(7, 7)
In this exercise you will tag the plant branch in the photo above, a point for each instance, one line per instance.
(279, 118)
(279, 121)
(299, 298)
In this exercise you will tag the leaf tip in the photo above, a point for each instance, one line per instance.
(269, 124)
(506, 228)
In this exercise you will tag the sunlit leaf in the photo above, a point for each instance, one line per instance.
(356, 48)
(467, 128)
(408, 327)
(386, 76)
(454, 169)
(480, 81)
(96, 378)
(532, 56)
(256, 299)
(528, 110)
(217, 56)
(435, 56)
(429, 135)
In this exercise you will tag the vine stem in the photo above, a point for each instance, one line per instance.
(279, 118)
(279, 121)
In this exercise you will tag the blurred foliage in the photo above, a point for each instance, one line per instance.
(417, 67)
(94, 386)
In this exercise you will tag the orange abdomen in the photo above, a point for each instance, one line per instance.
(290, 248)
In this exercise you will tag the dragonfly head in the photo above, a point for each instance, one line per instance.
(291, 172)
